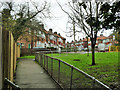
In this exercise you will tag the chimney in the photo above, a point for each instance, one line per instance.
(50, 30)
(55, 32)
(59, 34)
(42, 25)
(101, 34)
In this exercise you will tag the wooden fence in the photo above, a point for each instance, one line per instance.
(114, 49)
(10, 53)
(0, 56)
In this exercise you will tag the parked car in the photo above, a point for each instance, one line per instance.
(101, 47)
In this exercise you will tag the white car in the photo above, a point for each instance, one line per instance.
(101, 47)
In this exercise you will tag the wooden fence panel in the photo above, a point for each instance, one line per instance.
(15, 55)
(0, 56)
(11, 59)
(10, 52)
(5, 51)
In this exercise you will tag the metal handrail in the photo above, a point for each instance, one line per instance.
(8, 82)
(82, 72)
(89, 76)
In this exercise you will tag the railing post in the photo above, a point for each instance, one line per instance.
(44, 61)
(38, 58)
(47, 62)
(93, 86)
(59, 72)
(71, 77)
(51, 66)
(41, 60)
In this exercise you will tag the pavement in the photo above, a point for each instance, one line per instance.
(30, 74)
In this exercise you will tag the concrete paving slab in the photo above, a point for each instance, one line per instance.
(29, 74)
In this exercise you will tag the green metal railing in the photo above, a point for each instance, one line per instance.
(66, 75)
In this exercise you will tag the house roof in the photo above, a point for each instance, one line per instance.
(51, 33)
(85, 39)
(110, 37)
(101, 37)
(59, 36)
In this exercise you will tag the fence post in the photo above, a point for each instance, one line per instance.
(51, 66)
(59, 72)
(1, 53)
(71, 77)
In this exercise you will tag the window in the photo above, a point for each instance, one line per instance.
(18, 43)
(60, 40)
(39, 32)
(22, 44)
(51, 37)
(29, 31)
(43, 35)
(35, 32)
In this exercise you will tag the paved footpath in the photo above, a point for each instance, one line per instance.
(29, 74)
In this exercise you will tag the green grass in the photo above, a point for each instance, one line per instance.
(31, 57)
(105, 70)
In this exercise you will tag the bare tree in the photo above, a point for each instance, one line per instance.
(87, 16)
(21, 14)
(71, 25)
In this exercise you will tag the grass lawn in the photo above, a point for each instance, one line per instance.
(105, 70)
(31, 57)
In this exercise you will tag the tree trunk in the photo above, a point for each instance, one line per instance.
(31, 44)
(93, 55)
(87, 47)
(32, 41)
(119, 57)
(74, 34)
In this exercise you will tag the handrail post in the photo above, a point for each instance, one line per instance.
(44, 61)
(47, 62)
(51, 66)
(59, 72)
(93, 86)
(41, 60)
(5, 84)
(71, 77)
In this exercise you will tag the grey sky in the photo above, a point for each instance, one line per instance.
(59, 20)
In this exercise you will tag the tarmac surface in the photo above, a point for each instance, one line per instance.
(29, 74)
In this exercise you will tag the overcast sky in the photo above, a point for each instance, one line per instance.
(59, 21)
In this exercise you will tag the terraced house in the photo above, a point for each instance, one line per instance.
(41, 39)
(82, 43)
